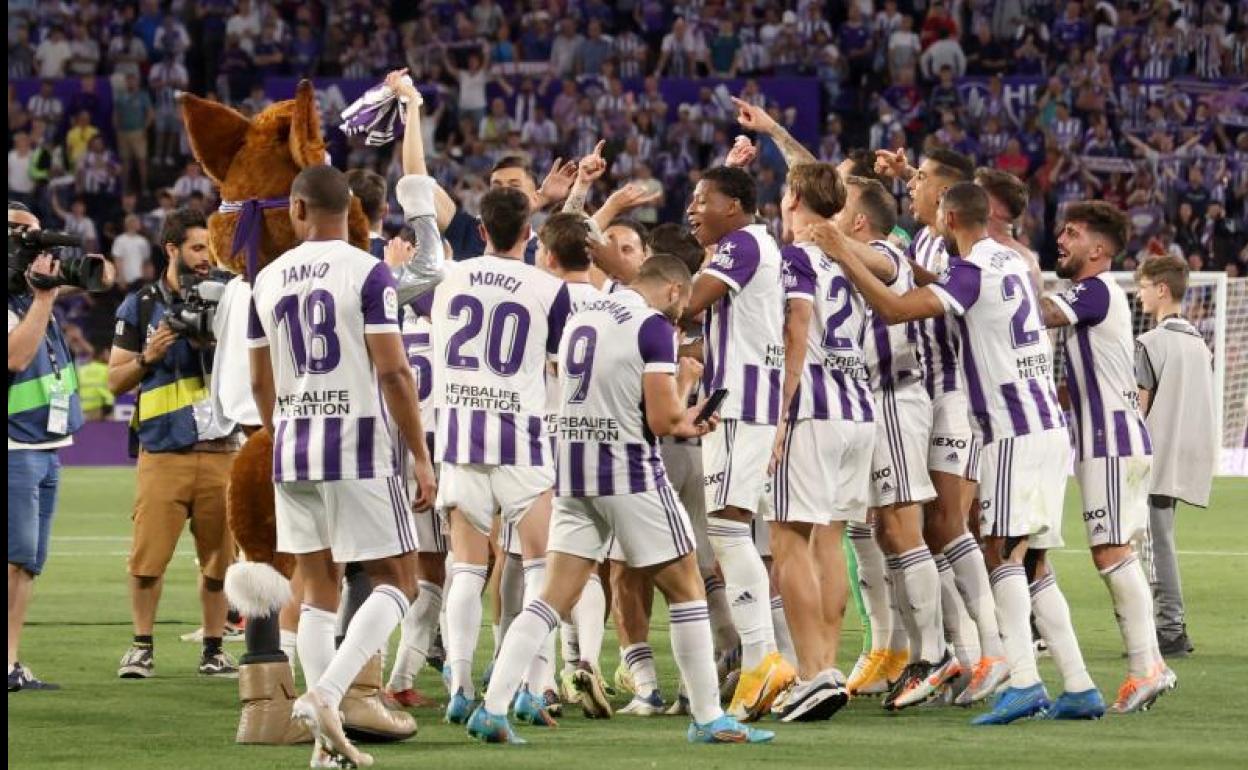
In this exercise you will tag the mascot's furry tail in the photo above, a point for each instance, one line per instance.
(255, 589)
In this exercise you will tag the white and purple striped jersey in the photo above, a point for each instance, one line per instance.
(1100, 371)
(605, 446)
(312, 307)
(418, 345)
(743, 334)
(579, 295)
(938, 341)
(891, 351)
(1006, 356)
(834, 383)
(495, 322)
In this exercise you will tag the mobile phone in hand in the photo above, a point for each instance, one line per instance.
(711, 406)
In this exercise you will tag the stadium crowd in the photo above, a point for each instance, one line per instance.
(545, 79)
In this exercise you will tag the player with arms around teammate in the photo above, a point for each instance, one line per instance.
(618, 354)
(496, 320)
(324, 333)
(1113, 447)
(1006, 364)
(743, 344)
(822, 455)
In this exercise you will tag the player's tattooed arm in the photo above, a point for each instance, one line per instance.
(588, 171)
(1052, 315)
(756, 119)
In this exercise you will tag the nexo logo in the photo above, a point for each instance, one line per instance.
(714, 478)
(1098, 513)
(881, 474)
(942, 441)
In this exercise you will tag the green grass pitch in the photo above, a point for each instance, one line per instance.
(79, 627)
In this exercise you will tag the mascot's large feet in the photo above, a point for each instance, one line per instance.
(365, 715)
(267, 691)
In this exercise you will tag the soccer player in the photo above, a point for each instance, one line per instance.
(743, 342)
(899, 479)
(620, 389)
(822, 455)
(1006, 365)
(1176, 383)
(1113, 451)
(495, 322)
(330, 313)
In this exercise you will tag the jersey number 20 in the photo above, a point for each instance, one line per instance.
(507, 330)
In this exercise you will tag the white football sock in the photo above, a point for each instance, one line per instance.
(315, 642)
(463, 623)
(1009, 588)
(871, 584)
(541, 673)
(368, 631)
(640, 661)
(959, 629)
(1053, 620)
(923, 592)
(784, 640)
(510, 597)
(695, 657)
(290, 645)
(721, 617)
(589, 621)
(1133, 606)
(569, 644)
(745, 578)
(420, 624)
(902, 608)
(971, 576)
(528, 632)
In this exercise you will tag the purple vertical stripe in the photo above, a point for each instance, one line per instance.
(948, 374)
(1122, 434)
(773, 396)
(303, 437)
(1076, 401)
(865, 402)
(364, 429)
(507, 439)
(749, 396)
(636, 467)
(818, 393)
(277, 450)
(1014, 404)
(450, 452)
(842, 393)
(333, 448)
(975, 389)
(1096, 408)
(1147, 439)
(929, 366)
(883, 351)
(476, 436)
(535, 441)
(708, 350)
(576, 466)
(606, 470)
(724, 321)
(1042, 403)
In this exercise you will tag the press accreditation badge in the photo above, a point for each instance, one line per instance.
(58, 410)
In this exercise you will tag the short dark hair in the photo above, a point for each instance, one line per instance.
(862, 163)
(565, 236)
(969, 200)
(952, 165)
(504, 213)
(18, 206)
(878, 205)
(632, 224)
(818, 186)
(370, 188)
(178, 223)
(673, 240)
(664, 268)
(322, 188)
(514, 161)
(1103, 219)
(1005, 187)
(1167, 270)
(734, 183)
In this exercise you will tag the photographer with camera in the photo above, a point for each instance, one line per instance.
(44, 408)
(164, 346)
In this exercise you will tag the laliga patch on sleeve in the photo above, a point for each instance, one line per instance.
(390, 301)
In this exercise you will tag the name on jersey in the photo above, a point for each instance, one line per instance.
(1037, 366)
(482, 397)
(774, 357)
(851, 365)
(317, 403)
(508, 283)
(304, 272)
(600, 429)
(619, 313)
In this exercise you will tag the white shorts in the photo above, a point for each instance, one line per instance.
(734, 462)
(953, 448)
(683, 462)
(480, 490)
(1023, 487)
(825, 472)
(899, 472)
(430, 534)
(357, 520)
(1115, 498)
(509, 539)
(648, 527)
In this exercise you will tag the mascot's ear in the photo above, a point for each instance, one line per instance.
(307, 146)
(216, 133)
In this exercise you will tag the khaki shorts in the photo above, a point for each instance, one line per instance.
(132, 145)
(172, 488)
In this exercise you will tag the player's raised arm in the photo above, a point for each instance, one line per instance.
(413, 148)
(756, 119)
(893, 308)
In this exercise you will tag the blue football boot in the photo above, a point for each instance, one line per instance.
(1014, 704)
(531, 708)
(459, 709)
(1077, 705)
(492, 728)
(727, 729)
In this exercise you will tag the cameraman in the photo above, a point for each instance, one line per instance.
(44, 413)
(185, 451)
